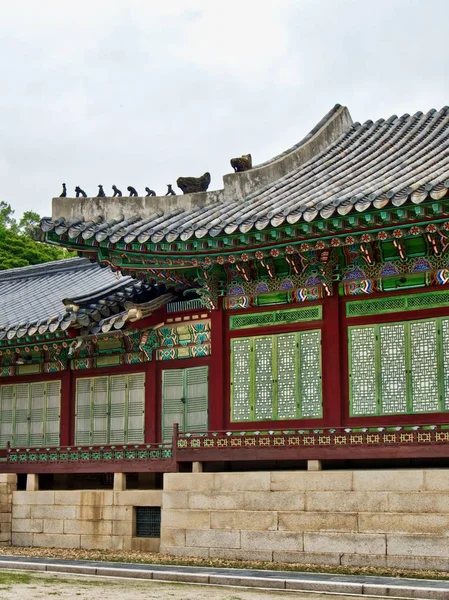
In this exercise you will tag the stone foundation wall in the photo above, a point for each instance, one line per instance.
(8, 485)
(391, 518)
(80, 519)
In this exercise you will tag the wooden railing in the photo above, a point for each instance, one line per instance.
(90, 459)
(408, 441)
(404, 441)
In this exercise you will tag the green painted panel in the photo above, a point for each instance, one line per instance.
(424, 366)
(444, 344)
(263, 378)
(172, 406)
(136, 407)
(240, 379)
(108, 361)
(37, 408)
(52, 413)
(100, 409)
(392, 340)
(287, 376)
(196, 409)
(432, 300)
(29, 369)
(184, 400)
(27, 414)
(83, 419)
(276, 377)
(374, 306)
(362, 370)
(21, 426)
(117, 412)
(7, 396)
(399, 368)
(262, 319)
(310, 374)
(110, 410)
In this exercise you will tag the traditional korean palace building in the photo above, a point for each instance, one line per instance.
(296, 319)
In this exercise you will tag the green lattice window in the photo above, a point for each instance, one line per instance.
(276, 377)
(184, 400)
(399, 368)
(29, 413)
(110, 410)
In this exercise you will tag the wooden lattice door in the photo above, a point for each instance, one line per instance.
(184, 400)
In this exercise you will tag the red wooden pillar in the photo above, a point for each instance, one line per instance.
(66, 422)
(332, 364)
(217, 369)
(152, 414)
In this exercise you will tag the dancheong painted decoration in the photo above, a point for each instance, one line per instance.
(299, 313)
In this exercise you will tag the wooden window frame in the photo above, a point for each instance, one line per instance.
(443, 404)
(92, 431)
(166, 435)
(30, 384)
(274, 360)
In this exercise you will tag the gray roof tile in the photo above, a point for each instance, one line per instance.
(370, 165)
(39, 298)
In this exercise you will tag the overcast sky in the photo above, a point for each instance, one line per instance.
(140, 92)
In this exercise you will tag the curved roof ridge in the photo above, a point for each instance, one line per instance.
(105, 290)
(360, 165)
(327, 117)
(65, 264)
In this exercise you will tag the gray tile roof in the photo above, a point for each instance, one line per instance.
(69, 293)
(371, 165)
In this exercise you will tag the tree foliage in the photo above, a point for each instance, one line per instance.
(17, 247)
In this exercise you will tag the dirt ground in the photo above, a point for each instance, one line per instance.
(37, 586)
(152, 558)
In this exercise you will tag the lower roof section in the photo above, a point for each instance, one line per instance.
(72, 293)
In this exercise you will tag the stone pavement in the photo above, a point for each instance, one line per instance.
(279, 580)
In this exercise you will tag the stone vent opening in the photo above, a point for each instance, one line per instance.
(148, 521)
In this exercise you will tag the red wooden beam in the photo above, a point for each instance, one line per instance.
(331, 361)
(217, 371)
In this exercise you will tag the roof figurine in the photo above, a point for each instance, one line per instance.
(79, 192)
(116, 191)
(101, 193)
(170, 190)
(132, 191)
(64, 191)
(190, 185)
(343, 182)
(243, 163)
(150, 192)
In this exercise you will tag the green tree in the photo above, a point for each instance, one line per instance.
(7, 216)
(17, 247)
(28, 220)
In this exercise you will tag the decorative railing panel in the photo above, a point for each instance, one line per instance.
(373, 437)
(91, 458)
(294, 444)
